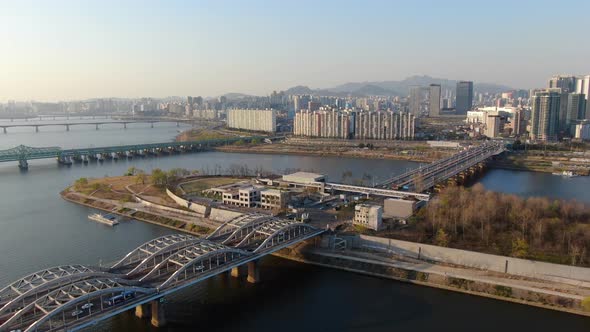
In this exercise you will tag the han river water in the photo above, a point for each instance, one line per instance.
(38, 229)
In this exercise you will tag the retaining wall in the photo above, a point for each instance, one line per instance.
(202, 209)
(223, 215)
(167, 208)
(482, 261)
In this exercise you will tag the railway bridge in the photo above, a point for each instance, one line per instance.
(71, 297)
(424, 178)
(96, 124)
(22, 154)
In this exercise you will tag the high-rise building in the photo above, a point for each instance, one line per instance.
(575, 110)
(256, 120)
(566, 83)
(415, 100)
(583, 87)
(434, 97)
(464, 97)
(545, 107)
(492, 126)
(354, 124)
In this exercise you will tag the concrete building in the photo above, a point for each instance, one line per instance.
(368, 215)
(304, 178)
(250, 119)
(464, 97)
(245, 197)
(434, 98)
(493, 126)
(273, 199)
(398, 208)
(545, 108)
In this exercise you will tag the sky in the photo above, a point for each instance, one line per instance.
(66, 50)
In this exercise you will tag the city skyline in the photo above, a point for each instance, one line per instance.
(70, 50)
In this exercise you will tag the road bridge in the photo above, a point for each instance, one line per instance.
(96, 124)
(424, 178)
(22, 154)
(70, 297)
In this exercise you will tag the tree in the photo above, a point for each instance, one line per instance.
(80, 183)
(131, 171)
(159, 177)
(441, 238)
(361, 145)
(520, 248)
(586, 303)
(140, 177)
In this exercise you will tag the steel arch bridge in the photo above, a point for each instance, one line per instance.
(149, 254)
(23, 152)
(70, 297)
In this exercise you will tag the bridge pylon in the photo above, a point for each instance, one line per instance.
(143, 311)
(253, 272)
(158, 314)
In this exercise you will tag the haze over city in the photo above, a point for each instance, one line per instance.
(66, 50)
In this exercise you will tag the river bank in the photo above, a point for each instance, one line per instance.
(506, 287)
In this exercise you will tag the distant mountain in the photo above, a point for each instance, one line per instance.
(235, 96)
(300, 90)
(393, 88)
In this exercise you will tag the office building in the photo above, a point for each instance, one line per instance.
(545, 108)
(583, 87)
(255, 120)
(464, 100)
(434, 97)
(566, 83)
(415, 100)
(575, 109)
(492, 126)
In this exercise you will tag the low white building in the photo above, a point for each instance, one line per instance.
(273, 199)
(244, 197)
(304, 177)
(368, 215)
(582, 131)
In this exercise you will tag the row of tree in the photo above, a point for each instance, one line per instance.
(539, 228)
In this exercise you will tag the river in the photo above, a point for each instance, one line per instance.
(38, 229)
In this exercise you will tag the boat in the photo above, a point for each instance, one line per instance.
(567, 174)
(107, 219)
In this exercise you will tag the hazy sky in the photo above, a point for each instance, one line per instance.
(61, 50)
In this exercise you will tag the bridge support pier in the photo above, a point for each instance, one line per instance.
(152, 124)
(36, 129)
(23, 164)
(96, 127)
(235, 272)
(124, 126)
(143, 311)
(177, 124)
(158, 316)
(5, 131)
(67, 127)
(253, 272)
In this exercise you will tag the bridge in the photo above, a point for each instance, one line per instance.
(424, 178)
(22, 154)
(96, 124)
(71, 297)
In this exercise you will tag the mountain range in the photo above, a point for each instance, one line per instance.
(392, 88)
